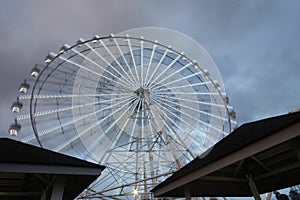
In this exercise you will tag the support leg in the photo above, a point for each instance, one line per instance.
(253, 187)
(58, 188)
(187, 192)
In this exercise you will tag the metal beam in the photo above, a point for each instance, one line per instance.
(187, 192)
(223, 178)
(48, 169)
(278, 171)
(261, 164)
(42, 178)
(238, 168)
(14, 194)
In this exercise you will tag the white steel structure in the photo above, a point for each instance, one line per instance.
(127, 101)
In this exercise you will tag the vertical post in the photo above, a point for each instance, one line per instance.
(253, 187)
(268, 196)
(187, 192)
(58, 188)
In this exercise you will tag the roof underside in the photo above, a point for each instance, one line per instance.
(273, 168)
(28, 172)
(278, 167)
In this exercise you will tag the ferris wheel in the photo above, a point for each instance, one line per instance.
(128, 101)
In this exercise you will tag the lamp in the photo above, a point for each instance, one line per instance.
(135, 192)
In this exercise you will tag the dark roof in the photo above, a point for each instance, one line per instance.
(246, 135)
(26, 170)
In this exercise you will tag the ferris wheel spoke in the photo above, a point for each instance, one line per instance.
(67, 108)
(142, 62)
(172, 74)
(223, 120)
(192, 108)
(56, 96)
(131, 80)
(189, 93)
(150, 62)
(193, 101)
(128, 84)
(183, 86)
(133, 60)
(125, 123)
(134, 81)
(186, 114)
(163, 72)
(59, 148)
(189, 125)
(47, 131)
(182, 131)
(93, 72)
(118, 134)
(177, 80)
(108, 63)
(192, 117)
(157, 67)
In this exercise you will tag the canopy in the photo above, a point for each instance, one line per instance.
(256, 158)
(29, 172)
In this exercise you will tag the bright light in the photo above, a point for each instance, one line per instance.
(13, 132)
(135, 192)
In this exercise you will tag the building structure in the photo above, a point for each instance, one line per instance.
(256, 158)
(30, 172)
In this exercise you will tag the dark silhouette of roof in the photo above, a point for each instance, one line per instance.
(266, 151)
(28, 172)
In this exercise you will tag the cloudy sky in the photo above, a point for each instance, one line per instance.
(254, 43)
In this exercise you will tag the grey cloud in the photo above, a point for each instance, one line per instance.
(254, 43)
